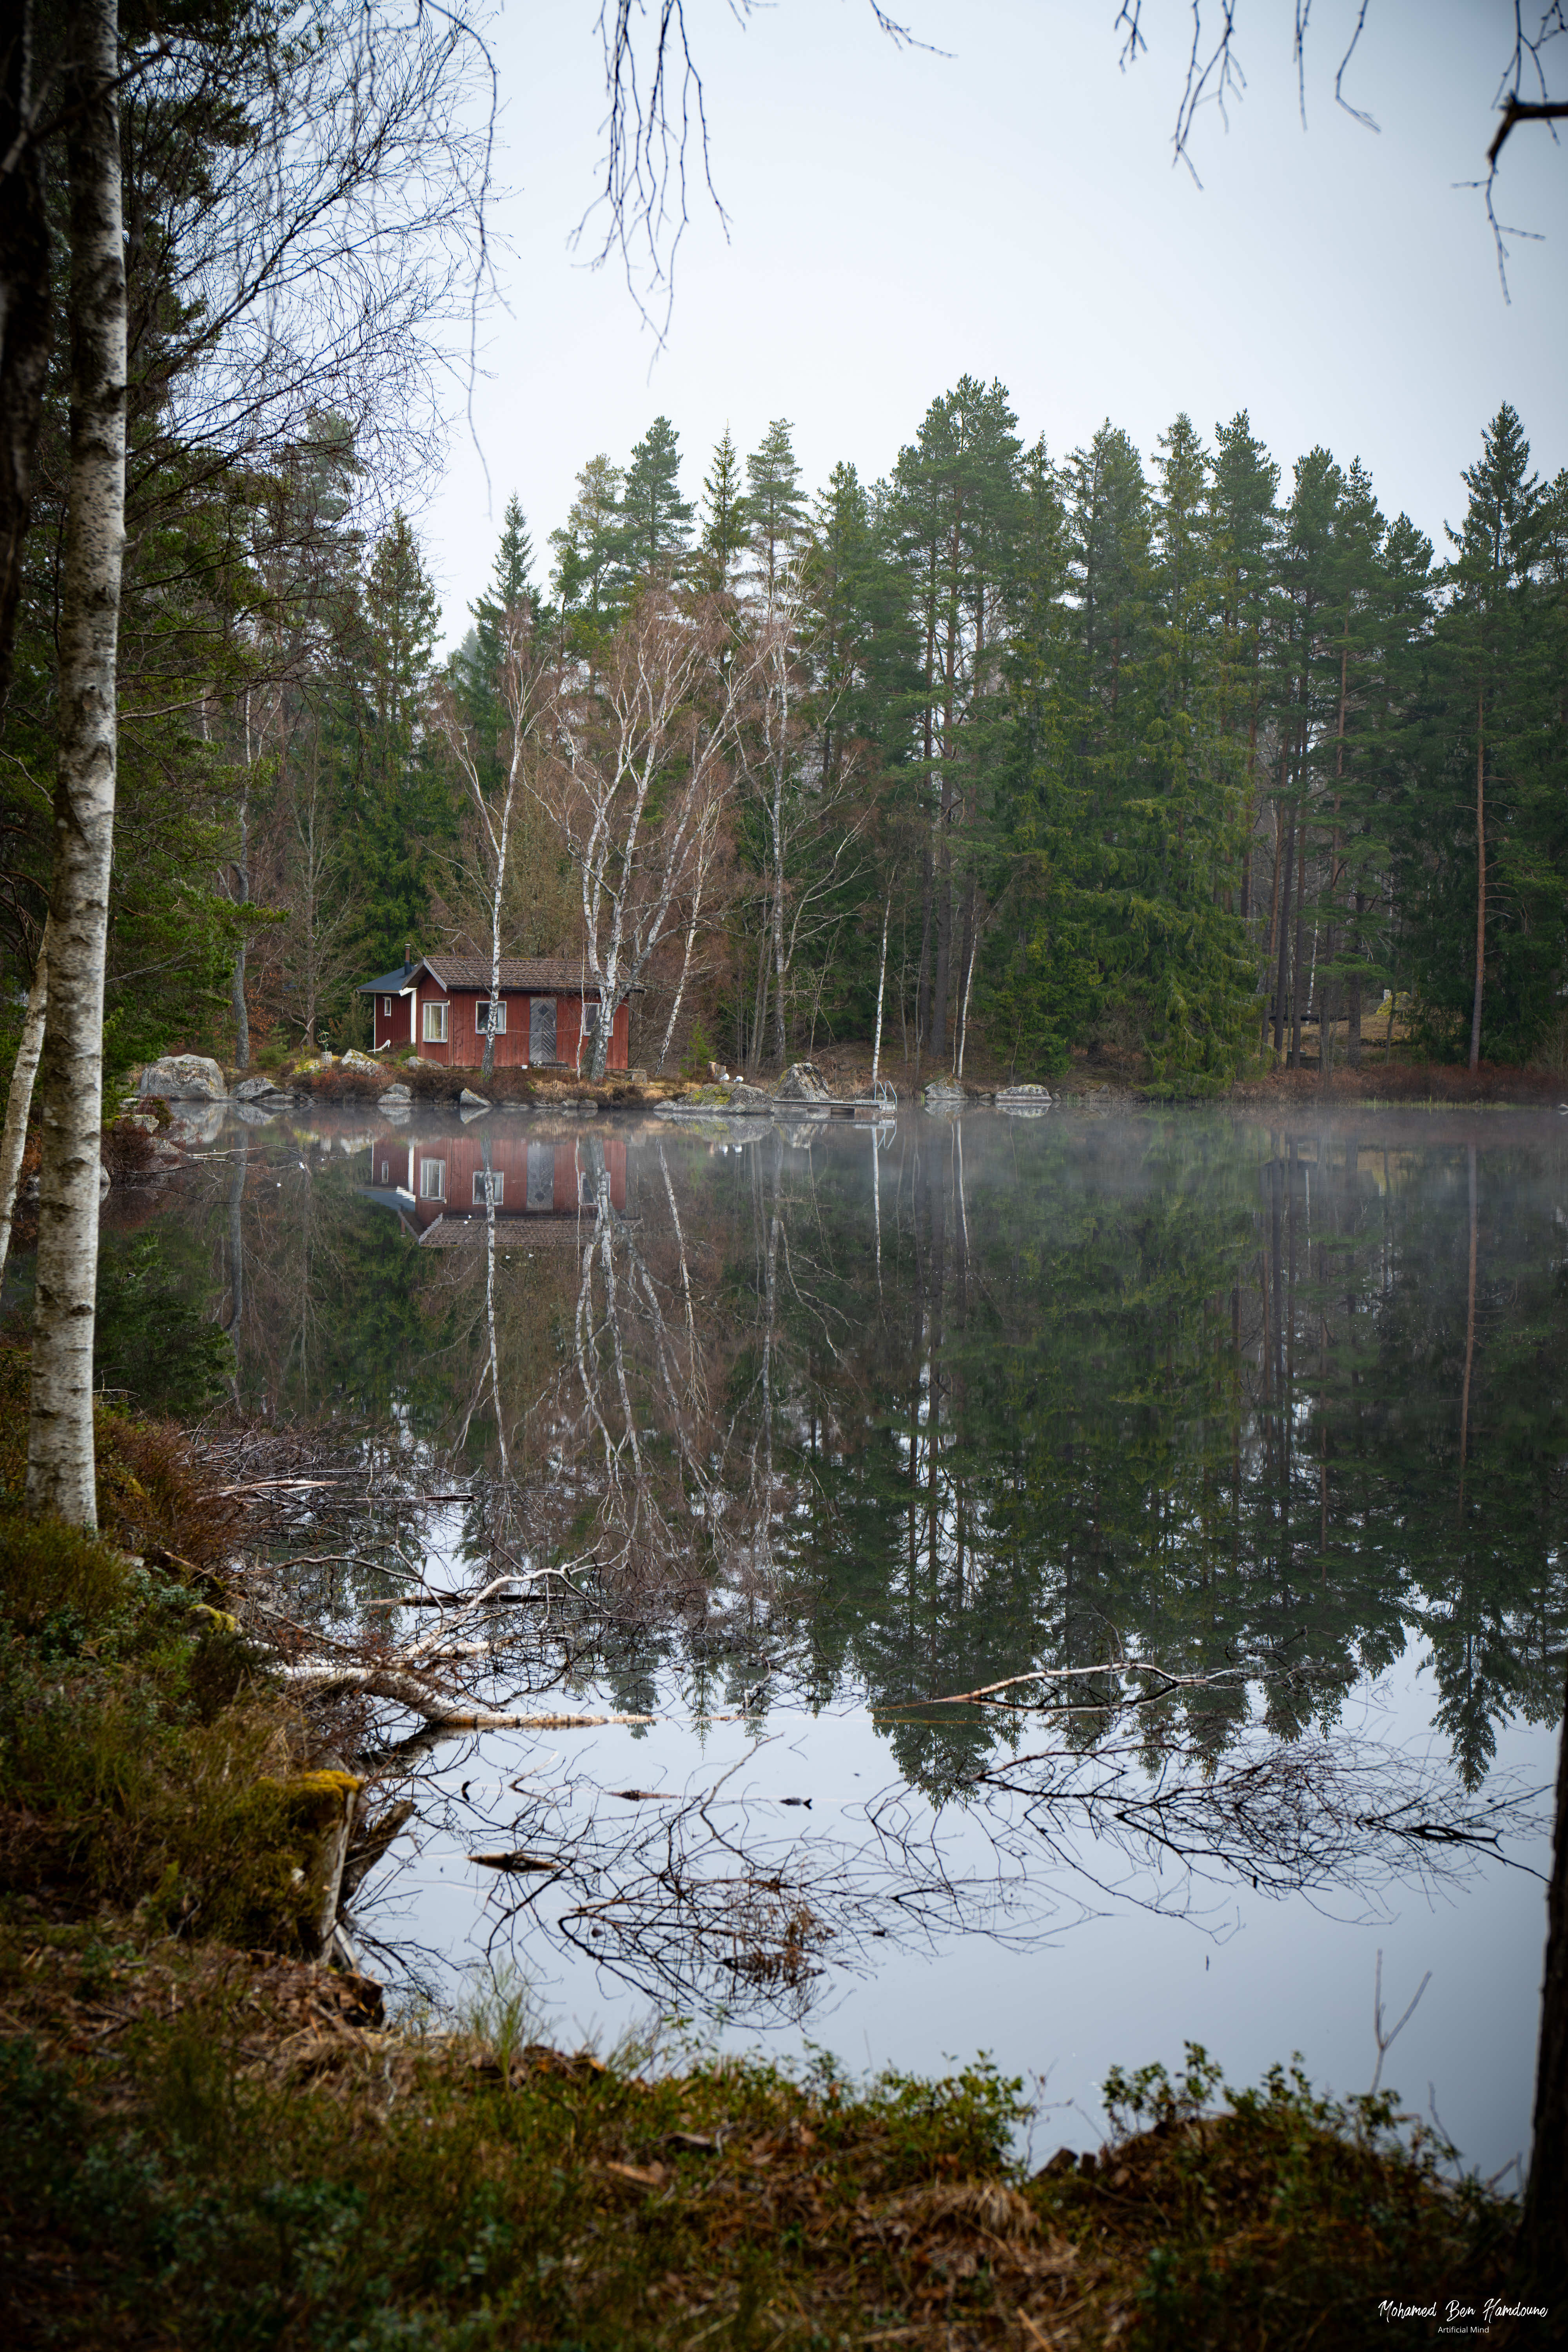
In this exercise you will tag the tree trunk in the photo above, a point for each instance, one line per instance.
(19, 1100)
(243, 895)
(781, 1023)
(61, 1467)
(24, 322)
(922, 979)
(1481, 880)
(944, 938)
(1283, 975)
(1298, 1008)
(1353, 1018)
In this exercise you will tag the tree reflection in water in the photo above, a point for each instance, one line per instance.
(1164, 1434)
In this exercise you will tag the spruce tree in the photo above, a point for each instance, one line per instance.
(1243, 485)
(479, 659)
(585, 551)
(396, 798)
(1488, 927)
(724, 516)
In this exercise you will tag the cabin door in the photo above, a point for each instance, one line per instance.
(542, 1029)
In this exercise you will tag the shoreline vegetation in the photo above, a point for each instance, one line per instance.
(213, 2132)
(847, 1071)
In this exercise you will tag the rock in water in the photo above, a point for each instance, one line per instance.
(185, 1078)
(262, 1091)
(803, 1082)
(469, 1101)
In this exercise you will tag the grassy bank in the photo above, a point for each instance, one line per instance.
(206, 2139)
(198, 2148)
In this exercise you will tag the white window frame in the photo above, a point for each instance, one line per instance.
(432, 1027)
(489, 1187)
(490, 1017)
(387, 1008)
(432, 1180)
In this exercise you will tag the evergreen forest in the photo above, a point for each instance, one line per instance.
(1182, 756)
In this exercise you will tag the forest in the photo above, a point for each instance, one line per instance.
(1163, 755)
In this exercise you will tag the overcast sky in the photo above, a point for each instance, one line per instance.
(898, 219)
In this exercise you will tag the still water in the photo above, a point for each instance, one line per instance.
(1227, 1462)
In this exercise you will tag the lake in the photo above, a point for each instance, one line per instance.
(1225, 1462)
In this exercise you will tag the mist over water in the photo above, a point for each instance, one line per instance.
(1227, 1460)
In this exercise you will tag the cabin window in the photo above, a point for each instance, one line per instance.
(490, 1017)
(432, 1180)
(435, 1025)
(384, 1171)
(490, 1188)
(590, 1019)
(585, 1189)
(387, 1008)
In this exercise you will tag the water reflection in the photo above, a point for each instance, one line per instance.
(1151, 1439)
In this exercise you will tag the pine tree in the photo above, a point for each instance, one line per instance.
(775, 505)
(959, 514)
(653, 520)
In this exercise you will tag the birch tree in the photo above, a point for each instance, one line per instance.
(60, 1468)
(638, 779)
(529, 692)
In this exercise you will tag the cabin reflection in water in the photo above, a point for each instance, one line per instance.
(442, 1186)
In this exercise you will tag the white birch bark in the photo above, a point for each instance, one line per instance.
(19, 1098)
(61, 1466)
(881, 985)
(638, 789)
(703, 861)
(526, 695)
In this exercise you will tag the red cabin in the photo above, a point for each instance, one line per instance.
(542, 1187)
(542, 1017)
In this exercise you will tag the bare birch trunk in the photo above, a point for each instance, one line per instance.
(685, 967)
(964, 1010)
(19, 1100)
(487, 1061)
(881, 984)
(61, 1466)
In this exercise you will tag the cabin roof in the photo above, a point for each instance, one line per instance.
(519, 975)
(389, 984)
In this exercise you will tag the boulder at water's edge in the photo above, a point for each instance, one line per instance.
(185, 1078)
